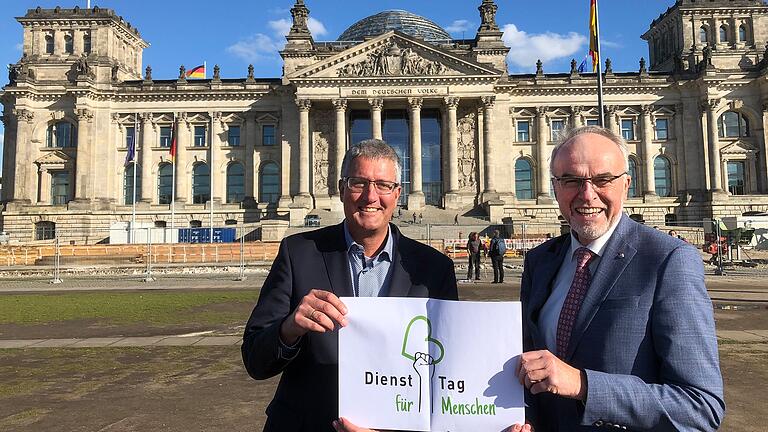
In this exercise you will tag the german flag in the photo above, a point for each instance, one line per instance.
(594, 42)
(196, 72)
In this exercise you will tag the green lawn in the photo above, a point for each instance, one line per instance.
(157, 307)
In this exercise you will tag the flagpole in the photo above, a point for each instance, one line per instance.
(173, 181)
(205, 69)
(601, 107)
(133, 201)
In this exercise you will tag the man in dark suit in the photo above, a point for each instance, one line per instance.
(293, 327)
(618, 328)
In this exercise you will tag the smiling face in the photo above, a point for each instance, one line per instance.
(589, 210)
(367, 212)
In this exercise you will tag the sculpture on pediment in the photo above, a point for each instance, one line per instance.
(391, 60)
(82, 68)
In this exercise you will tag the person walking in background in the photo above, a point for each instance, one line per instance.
(414, 218)
(456, 219)
(496, 251)
(421, 218)
(475, 247)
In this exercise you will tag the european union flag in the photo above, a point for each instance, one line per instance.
(583, 65)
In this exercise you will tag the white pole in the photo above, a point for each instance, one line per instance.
(210, 183)
(173, 181)
(133, 202)
(601, 106)
(88, 4)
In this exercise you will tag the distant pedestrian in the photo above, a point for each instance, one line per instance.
(497, 250)
(474, 247)
(456, 219)
(421, 218)
(414, 218)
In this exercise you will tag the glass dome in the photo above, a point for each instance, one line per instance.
(400, 20)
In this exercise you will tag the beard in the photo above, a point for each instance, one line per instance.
(590, 231)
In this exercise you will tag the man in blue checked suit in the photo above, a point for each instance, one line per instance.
(618, 328)
(293, 327)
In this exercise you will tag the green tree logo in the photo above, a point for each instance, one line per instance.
(418, 331)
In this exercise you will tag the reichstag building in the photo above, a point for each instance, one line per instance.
(469, 133)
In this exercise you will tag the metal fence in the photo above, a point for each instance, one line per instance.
(150, 254)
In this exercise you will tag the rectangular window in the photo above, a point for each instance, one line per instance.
(628, 129)
(268, 135)
(558, 126)
(736, 178)
(130, 135)
(233, 136)
(59, 187)
(593, 122)
(200, 133)
(165, 136)
(662, 129)
(523, 131)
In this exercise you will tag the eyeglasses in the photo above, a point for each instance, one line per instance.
(358, 184)
(576, 183)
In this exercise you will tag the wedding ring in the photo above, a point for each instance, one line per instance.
(312, 315)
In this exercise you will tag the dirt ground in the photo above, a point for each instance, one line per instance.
(179, 389)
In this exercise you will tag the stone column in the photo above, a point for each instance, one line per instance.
(77, 42)
(147, 138)
(340, 106)
(45, 187)
(218, 182)
(58, 43)
(251, 132)
(20, 161)
(84, 169)
(715, 177)
(543, 174)
(610, 119)
(762, 162)
(183, 132)
(682, 180)
(576, 117)
(452, 103)
(416, 198)
(376, 106)
(304, 106)
(488, 147)
(649, 181)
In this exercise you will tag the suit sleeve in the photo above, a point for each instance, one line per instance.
(449, 289)
(688, 392)
(261, 340)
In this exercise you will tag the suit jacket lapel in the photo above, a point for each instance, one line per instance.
(616, 257)
(541, 282)
(336, 263)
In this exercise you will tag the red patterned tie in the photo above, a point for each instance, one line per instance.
(572, 304)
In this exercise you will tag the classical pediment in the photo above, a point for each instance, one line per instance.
(393, 55)
(55, 159)
(739, 147)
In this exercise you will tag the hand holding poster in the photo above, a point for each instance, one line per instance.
(430, 365)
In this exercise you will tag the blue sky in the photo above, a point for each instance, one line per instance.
(234, 34)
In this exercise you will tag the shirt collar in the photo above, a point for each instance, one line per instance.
(597, 246)
(385, 253)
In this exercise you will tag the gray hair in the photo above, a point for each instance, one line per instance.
(372, 149)
(571, 134)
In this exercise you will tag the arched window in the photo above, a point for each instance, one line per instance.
(60, 187)
(523, 179)
(49, 44)
(87, 43)
(732, 124)
(235, 183)
(662, 174)
(69, 46)
(269, 183)
(45, 230)
(128, 184)
(165, 183)
(61, 134)
(723, 33)
(703, 35)
(742, 33)
(201, 184)
(633, 174)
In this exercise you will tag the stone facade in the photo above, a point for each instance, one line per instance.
(694, 121)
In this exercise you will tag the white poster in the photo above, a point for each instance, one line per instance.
(430, 365)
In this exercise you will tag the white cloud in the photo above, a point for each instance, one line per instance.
(526, 48)
(458, 26)
(608, 44)
(279, 11)
(282, 26)
(254, 47)
(19, 46)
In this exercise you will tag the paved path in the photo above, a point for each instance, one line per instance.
(123, 342)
